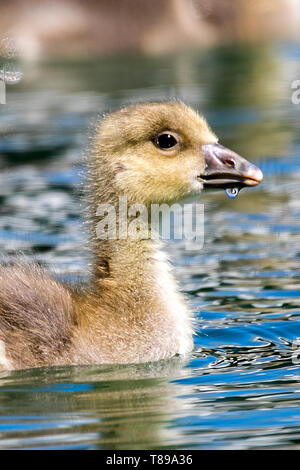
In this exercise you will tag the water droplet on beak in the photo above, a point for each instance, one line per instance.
(232, 192)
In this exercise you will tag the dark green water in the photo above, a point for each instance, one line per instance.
(240, 388)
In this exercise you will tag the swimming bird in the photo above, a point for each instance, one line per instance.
(131, 311)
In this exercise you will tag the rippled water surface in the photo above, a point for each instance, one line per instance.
(240, 388)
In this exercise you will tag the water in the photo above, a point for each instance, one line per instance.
(240, 388)
(232, 193)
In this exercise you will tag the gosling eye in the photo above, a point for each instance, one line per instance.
(166, 141)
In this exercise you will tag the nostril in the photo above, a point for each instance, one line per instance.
(229, 162)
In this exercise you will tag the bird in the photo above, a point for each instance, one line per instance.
(131, 309)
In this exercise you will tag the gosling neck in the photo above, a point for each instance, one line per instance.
(133, 283)
(134, 277)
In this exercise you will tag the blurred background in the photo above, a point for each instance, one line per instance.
(65, 63)
(77, 27)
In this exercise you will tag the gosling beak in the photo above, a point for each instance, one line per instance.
(226, 169)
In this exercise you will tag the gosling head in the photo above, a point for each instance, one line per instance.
(164, 152)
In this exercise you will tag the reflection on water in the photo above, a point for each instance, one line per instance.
(92, 407)
(240, 388)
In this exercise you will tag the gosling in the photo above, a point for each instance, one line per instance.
(132, 310)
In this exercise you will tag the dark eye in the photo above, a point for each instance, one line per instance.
(165, 141)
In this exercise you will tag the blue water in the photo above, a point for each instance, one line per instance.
(240, 388)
